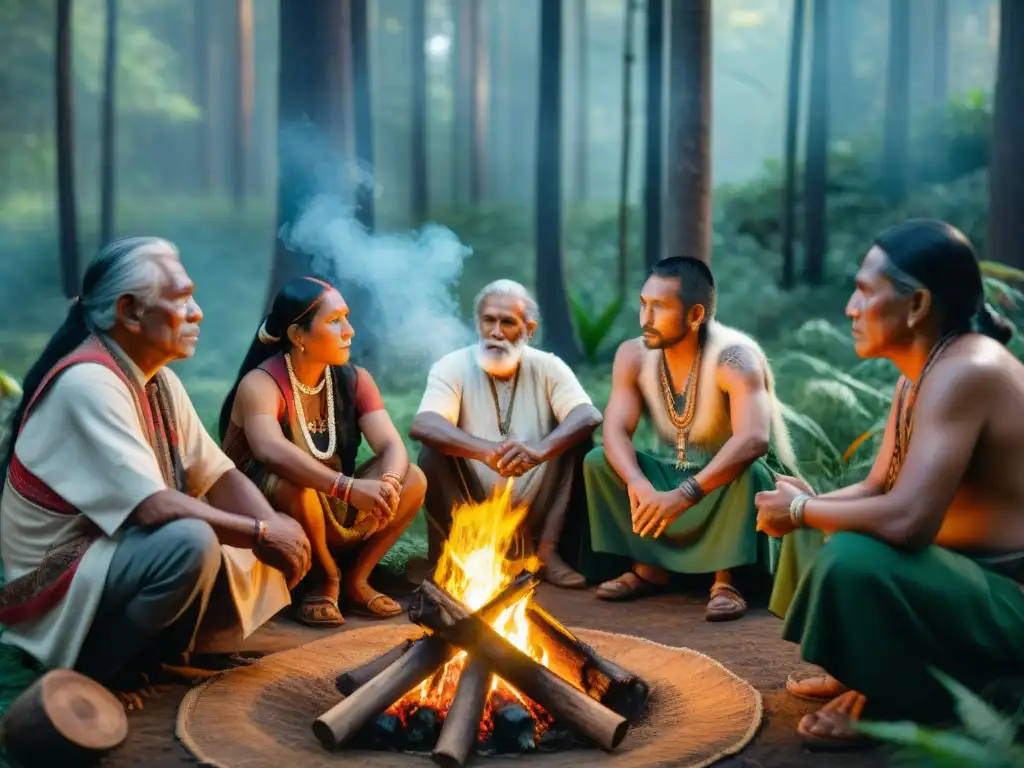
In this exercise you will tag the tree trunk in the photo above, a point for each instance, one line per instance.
(896, 135)
(312, 119)
(789, 194)
(846, 111)
(463, 90)
(554, 310)
(581, 102)
(418, 117)
(655, 144)
(362, 111)
(107, 150)
(244, 95)
(816, 165)
(481, 101)
(1006, 174)
(629, 59)
(688, 231)
(67, 207)
(940, 53)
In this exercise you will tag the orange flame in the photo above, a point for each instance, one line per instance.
(479, 559)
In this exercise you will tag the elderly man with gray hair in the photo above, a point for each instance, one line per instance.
(501, 409)
(128, 538)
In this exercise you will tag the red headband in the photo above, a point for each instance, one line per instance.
(316, 302)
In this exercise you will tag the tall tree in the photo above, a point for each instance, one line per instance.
(629, 60)
(481, 101)
(655, 144)
(688, 225)
(558, 332)
(788, 219)
(1006, 168)
(581, 103)
(244, 96)
(896, 129)
(312, 119)
(67, 208)
(418, 188)
(940, 53)
(846, 118)
(362, 110)
(107, 145)
(469, 123)
(816, 164)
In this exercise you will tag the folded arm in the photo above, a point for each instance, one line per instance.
(434, 430)
(741, 376)
(258, 403)
(622, 415)
(949, 415)
(385, 441)
(577, 426)
(232, 528)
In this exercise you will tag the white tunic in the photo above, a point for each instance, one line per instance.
(85, 441)
(459, 391)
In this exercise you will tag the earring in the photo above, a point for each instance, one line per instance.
(694, 326)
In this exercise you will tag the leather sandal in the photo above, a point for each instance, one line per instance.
(623, 588)
(726, 603)
(320, 611)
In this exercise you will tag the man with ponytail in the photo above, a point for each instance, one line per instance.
(293, 423)
(128, 538)
(923, 568)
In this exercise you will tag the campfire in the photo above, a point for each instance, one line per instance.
(494, 672)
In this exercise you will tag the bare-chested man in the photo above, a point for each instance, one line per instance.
(925, 560)
(684, 504)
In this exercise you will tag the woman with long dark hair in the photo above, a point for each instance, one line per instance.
(924, 567)
(293, 423)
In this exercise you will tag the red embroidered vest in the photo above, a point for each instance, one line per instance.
(33, 595)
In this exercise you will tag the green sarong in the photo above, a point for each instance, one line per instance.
(798, 551)
(877, 617)
(716, 534)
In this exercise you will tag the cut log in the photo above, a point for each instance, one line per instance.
(343, 721)
(63, 718)
(435, 609)
(462, 726)
(618, 689)
(348, 682)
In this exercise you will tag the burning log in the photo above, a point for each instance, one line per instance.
(344, 720)
(436, 610)
(463, 722)
(619, 690)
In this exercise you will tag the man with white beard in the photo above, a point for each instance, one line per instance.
(501, 409)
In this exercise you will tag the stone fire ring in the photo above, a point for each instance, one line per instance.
(259, 716)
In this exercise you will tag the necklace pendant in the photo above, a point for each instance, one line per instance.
(680, 451)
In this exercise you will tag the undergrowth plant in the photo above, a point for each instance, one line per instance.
(985, 737)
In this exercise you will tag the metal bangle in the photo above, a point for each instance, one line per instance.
(691, 489)
(796, 509)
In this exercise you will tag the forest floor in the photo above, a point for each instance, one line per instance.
(751, 647)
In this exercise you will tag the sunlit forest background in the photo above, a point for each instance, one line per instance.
(414, 151)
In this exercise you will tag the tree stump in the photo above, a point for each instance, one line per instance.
(63, 718)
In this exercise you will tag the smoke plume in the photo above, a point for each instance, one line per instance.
(403, 309)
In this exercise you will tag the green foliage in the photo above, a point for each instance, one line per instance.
(986, 738)
(593, 330)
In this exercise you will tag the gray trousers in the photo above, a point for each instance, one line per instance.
(451, 481)
(156, 593)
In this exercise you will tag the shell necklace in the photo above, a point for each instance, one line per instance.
(300, 416)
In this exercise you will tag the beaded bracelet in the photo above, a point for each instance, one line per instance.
(339, 482)
(691, 490)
